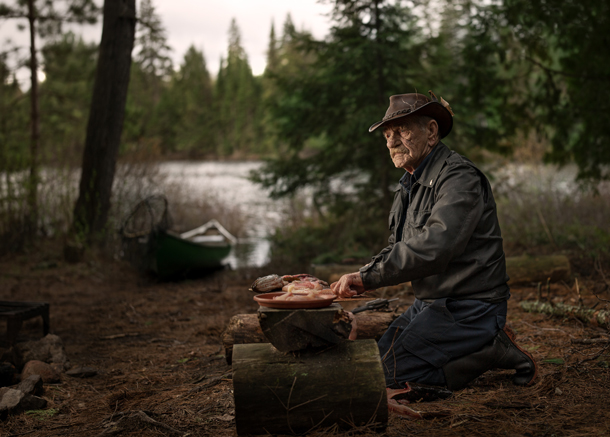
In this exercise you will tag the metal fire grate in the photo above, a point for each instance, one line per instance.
(16, 312)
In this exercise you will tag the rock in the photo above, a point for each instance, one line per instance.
(3, 391)
(7, 370)
(49, 349)
(11, 399)
(30, 402)
(32, 385)
(46, 372)
(16, 401)
(81, 372)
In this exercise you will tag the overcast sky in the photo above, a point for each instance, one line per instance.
(205, 24)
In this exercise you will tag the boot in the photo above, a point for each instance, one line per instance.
(501, 353)
(518, 359)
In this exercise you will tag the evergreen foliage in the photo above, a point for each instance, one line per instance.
(335, 90)
(150, 70)
(560, 48)
(65, 97)
(185, 115)
(13, 124)
(237, 94)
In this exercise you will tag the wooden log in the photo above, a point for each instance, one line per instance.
(373, 324)
(526, 269)
(595, 317)
(292, 330)
(277, 393)
(244, 328)
(520, 269)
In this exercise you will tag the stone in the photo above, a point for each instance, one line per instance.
(49, 349)
(30, 402)
(82, 372)
(3, 391)
(32, 385)
(11, 399)
(46, 372)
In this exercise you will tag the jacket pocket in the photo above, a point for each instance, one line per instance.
(417, 219)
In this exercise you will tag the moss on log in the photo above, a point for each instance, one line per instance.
(594, 317)
(277, 393)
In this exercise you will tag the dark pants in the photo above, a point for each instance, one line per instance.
(428, 335)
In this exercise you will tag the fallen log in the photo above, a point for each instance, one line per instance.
(527, 269)
(520, 269)
(245, 328)
(595, 317)
(278, 393)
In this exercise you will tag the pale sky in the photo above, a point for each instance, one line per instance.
(205, 24)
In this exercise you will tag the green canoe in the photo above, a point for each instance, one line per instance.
(200, 249)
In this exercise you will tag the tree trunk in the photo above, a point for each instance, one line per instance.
(277, 393)
(105, 120)
(32, 191)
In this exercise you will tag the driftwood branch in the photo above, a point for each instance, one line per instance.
(595, 317)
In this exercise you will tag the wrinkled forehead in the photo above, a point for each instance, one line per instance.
(405, 122)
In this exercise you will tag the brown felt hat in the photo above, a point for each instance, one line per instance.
(403, 105)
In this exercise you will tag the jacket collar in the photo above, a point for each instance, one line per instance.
(434, 166)
(428, 176)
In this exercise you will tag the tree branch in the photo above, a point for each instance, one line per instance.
(563, 73)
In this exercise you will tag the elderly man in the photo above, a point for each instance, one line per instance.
(445, 239)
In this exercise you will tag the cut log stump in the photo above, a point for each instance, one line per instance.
(244, 328)
(278, 393)
(292, 330)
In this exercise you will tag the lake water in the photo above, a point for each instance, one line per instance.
(228, 182)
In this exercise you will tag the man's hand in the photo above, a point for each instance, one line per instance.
(349, 285)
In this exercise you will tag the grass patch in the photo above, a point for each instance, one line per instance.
(42, 415)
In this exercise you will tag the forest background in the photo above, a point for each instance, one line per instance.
(528, 81)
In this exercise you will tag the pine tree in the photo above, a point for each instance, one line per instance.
(185, 115)
(237, 95)
(151, 71)
(329, 93)
(65, 97)
(45, 19)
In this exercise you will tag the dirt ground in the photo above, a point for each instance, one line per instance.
(162, 371)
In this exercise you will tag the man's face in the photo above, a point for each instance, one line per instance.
(408, 143)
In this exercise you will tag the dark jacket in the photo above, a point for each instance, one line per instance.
(450, 243)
